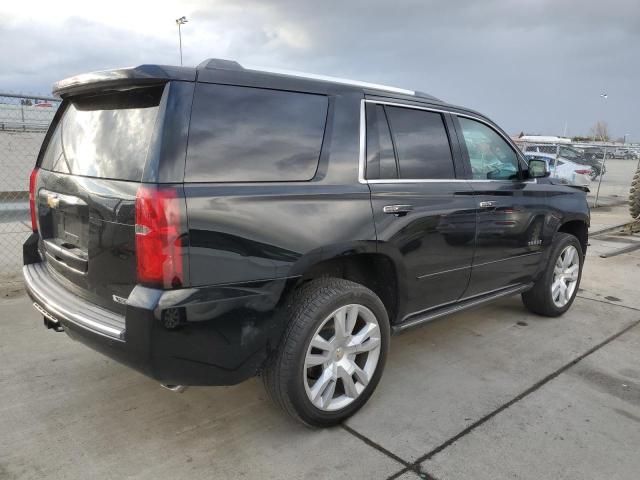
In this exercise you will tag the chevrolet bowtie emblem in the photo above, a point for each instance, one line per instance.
(53, 201)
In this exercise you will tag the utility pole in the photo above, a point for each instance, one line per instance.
(604, 96)
(180, 21)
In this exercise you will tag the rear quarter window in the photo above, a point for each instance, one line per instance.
(245, 134)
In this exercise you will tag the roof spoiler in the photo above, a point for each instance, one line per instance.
(122, 77)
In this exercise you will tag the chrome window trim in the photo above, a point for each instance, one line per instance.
(363, 143)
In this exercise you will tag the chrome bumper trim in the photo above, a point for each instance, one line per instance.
(61, 304)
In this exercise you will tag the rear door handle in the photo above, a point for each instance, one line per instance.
(488, 204)
(398, 210)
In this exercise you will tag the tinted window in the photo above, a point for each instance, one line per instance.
(241, 134)
(105, 136)
(422, 144)
(381, 160)
(490, 155)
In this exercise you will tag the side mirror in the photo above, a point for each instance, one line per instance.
(538, 168)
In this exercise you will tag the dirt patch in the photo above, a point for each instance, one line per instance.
(11, 289)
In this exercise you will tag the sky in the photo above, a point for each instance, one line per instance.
(538, 66)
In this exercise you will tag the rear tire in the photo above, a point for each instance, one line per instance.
(555, 290)
(323, 383)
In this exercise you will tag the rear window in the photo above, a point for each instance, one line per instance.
(244, 134)
(105, 136)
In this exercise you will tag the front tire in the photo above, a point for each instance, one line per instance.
(556, 289)
(332, 354)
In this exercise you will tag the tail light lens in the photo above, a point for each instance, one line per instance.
(583, 172)
(33, 180)
(159, 213)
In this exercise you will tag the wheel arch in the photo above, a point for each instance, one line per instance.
(361, 263)
(579, 228)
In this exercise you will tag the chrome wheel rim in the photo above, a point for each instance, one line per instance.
(342, 357)
(565, 276)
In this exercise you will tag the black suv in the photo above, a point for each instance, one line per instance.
(206, 225)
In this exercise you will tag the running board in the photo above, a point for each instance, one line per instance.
(458, 307)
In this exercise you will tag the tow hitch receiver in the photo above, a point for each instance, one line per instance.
(49, 320)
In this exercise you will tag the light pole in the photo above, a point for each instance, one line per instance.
(625, 137)
(180, 21)
(604, 96)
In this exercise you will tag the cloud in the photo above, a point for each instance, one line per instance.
(532, 65)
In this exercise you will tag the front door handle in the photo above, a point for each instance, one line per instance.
(398, 210)
(488, 204)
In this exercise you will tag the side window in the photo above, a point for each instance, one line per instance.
(244, 134)
(490, 155)
(381, 160)
(421, 142)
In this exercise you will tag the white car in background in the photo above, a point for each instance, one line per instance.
(564, 170)
(626, 153)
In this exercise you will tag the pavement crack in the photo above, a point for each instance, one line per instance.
(408, 466)
(418, 471)
(520, 396)
(375, 445)
(609, 303)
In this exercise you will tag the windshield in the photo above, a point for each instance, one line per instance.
(570, 153)
(105, 136)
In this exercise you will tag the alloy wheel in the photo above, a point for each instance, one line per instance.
(565, 276)
(342, 357)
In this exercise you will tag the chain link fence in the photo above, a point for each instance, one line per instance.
(605, 168)
(24, 120)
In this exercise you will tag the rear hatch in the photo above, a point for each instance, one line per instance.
(88, 178)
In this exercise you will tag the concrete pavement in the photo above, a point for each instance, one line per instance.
(490, 393)
(583, 424)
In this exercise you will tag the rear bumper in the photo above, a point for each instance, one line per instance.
(63, 305)
(218, 335)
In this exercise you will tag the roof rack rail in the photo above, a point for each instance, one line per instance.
(218, 63)
(327, 78)
(420, 94)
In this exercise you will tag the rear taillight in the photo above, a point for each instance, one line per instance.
(158, 237)
(583, 172)
(33, 180)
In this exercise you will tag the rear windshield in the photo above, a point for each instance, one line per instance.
(105, 136)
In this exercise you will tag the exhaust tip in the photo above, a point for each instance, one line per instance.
(175, 388)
